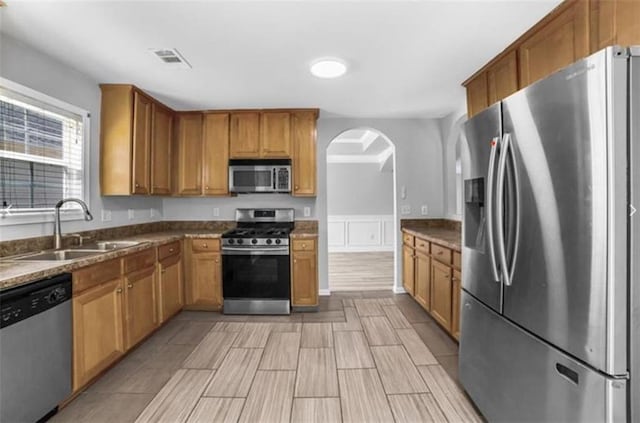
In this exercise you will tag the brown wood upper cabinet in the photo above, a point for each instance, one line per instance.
(570, 32)
(303, 137)
(215, 177)
(129, 136)
(189, 157)
(260, 134)
(560, 42)
(244, 135)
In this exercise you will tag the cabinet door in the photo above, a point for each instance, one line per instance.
(97, 330)
(455, 304)
(206, 280)
(171, 287)
(303, 130)
(161, 150)
(562, 41)
(216, 154)
(275, 135)
(423, 279)
(190, 154)
(141, 143)
(477, 94)
(408, 269)
(502, 78)
(441, 294)
(140, 305)
(244, 135)
(614, 22)
(304, 275)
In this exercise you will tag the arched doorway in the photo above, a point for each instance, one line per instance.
(361, 211)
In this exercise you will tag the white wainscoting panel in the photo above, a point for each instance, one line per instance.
(360, 233)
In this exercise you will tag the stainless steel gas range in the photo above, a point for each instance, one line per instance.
(255, 262)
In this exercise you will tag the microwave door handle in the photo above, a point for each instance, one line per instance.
(274, 179)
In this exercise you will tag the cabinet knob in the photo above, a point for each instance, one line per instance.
(171, 250)
(217, 260)
(204, 246)
(137, 185)
(304, 245)
(207, 187)
(130, 286)
(295, 261)
(119, 290)
(163, 271)
(297, 187)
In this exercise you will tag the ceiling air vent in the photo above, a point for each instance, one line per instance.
(171, 57)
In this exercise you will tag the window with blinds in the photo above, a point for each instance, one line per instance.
(41, 153)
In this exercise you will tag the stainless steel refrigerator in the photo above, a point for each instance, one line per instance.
(551, 292)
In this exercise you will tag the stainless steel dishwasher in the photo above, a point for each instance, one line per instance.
(35, 349)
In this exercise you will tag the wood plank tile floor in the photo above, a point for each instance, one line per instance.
(365, 356)
(360, 271)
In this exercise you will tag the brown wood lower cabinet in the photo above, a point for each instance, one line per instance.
(422, 292)
(427, 277)
(170, 287)
(304, 273)
(204, 275)
(140, 305)
(408, 268)
(441, 294)
(98, 338)
(455, 304)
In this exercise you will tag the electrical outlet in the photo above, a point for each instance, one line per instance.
(106, 215)
(307, 211)
(132, 214)
(403, 192)
(405, 210)
(152, 213)
(425, 210)
(216, 212)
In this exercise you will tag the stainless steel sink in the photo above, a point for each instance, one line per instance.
(110, 245)
(59, 255)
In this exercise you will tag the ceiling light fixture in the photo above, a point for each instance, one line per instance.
(328, 68)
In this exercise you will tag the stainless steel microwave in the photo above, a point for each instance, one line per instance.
(246, 176)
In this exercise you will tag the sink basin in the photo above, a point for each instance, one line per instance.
(59, 255)
(114, 245)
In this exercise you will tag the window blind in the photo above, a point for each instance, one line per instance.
(41, 153)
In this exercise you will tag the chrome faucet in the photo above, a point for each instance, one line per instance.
(57, 233)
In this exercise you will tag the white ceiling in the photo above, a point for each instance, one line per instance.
(406, 58)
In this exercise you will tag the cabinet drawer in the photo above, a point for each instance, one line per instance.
(205, 245)
(304, 244)
(407, 239)
(457, 259)
(422, 245)
(95, 275)
(139, 260)
(442, 254)
(171, 249)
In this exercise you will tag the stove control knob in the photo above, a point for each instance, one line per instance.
(278, 241)
(231, 241)
(254, 241)
(269, 242)
(240, 241)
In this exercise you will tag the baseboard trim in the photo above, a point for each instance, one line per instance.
(325, 292)
(367, 249)
(399, 290)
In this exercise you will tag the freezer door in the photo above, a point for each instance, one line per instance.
(559, 284)
(514, 377)
(479, 274)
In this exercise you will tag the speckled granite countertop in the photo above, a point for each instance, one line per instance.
(447, 237)
(305, 229)
(14, 273)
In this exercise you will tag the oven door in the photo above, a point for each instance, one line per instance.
(252, 179)
(261, 275)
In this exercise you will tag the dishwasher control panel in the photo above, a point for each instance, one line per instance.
(17, 304)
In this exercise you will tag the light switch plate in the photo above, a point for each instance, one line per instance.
(425, 210)
(132, 214)
(307, 211)
(405, 210)
(106, 215)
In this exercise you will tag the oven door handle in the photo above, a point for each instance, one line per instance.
(235, 251)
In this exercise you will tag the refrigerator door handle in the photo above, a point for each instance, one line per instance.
(502, 166)
(495, 142)
(516, 225)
